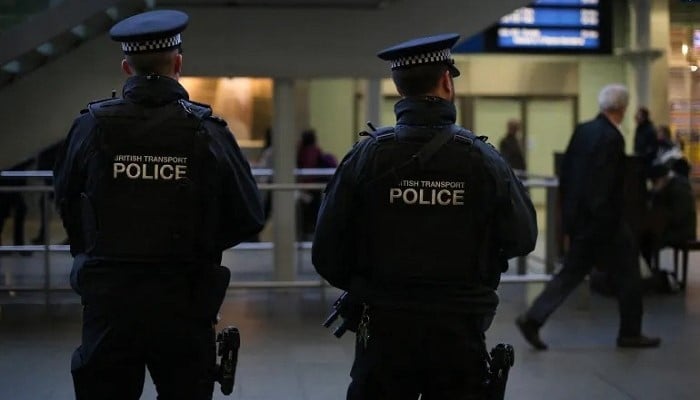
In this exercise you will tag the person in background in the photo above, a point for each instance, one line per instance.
(672, 215)
(645, 139)
(265, 161)
(310, 155)
(510, 146)
(591, 189)
(668, 150)
(45, 161)
(12, 203)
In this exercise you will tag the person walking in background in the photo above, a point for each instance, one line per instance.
(510, 146)
(591, 189)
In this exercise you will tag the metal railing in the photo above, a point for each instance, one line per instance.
(550, 184)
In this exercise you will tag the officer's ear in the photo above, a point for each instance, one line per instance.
(177, 65)
(126, 67)
(446, 83)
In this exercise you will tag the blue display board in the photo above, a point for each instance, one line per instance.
(548, 26)
(557, 38)
(558, 17)
(579, 3)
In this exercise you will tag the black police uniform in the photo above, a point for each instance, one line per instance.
(422, 243)
(151, 189)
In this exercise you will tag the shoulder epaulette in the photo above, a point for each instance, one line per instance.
(196, 103)
(112, 101)
(384, 134)
(202, 111)
(218, 120)
(381, 134)
(199, 110)
(102, 107)
(484, 143)
(464, 136)
(103, 100)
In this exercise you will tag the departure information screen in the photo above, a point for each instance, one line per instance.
(549, 26)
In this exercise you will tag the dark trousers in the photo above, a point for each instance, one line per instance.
(152, 327)
(619, 258)
(439, 356)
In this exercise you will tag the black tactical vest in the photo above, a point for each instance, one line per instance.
(424, 221)
(145, 190)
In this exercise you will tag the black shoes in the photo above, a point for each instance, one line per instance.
(530, 330)
(639, 342)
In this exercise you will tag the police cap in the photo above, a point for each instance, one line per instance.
(150, 32)
(421, 51)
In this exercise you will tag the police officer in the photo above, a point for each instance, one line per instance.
(417, 225)
(151, 189)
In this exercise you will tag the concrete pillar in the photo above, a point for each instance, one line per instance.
(284, 162)
(374, 101)
(641, 62)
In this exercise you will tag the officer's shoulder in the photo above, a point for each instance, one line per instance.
(203, 111)
(490, 155)
(217, 120)
(103, 106)
(465, 136)
(379, 135)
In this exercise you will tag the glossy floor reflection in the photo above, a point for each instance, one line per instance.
(287, 355)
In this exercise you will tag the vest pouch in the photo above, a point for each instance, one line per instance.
(149, 220)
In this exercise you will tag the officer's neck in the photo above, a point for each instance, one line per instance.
(440, 92)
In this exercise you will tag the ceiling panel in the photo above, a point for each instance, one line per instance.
(350, 4)
(684, 12)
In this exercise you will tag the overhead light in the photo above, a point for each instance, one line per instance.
(684, 49)
(46, 49)
(80, 31)
(13, 67)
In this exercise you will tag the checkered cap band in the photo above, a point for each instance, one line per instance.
(423, 58)
(151, 45)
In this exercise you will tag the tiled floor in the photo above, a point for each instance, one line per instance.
(286, 354)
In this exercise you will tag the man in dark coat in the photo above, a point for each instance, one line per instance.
(417, 225)
(646, 143)
(591, 185)
(510, 147)
(151, 189)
